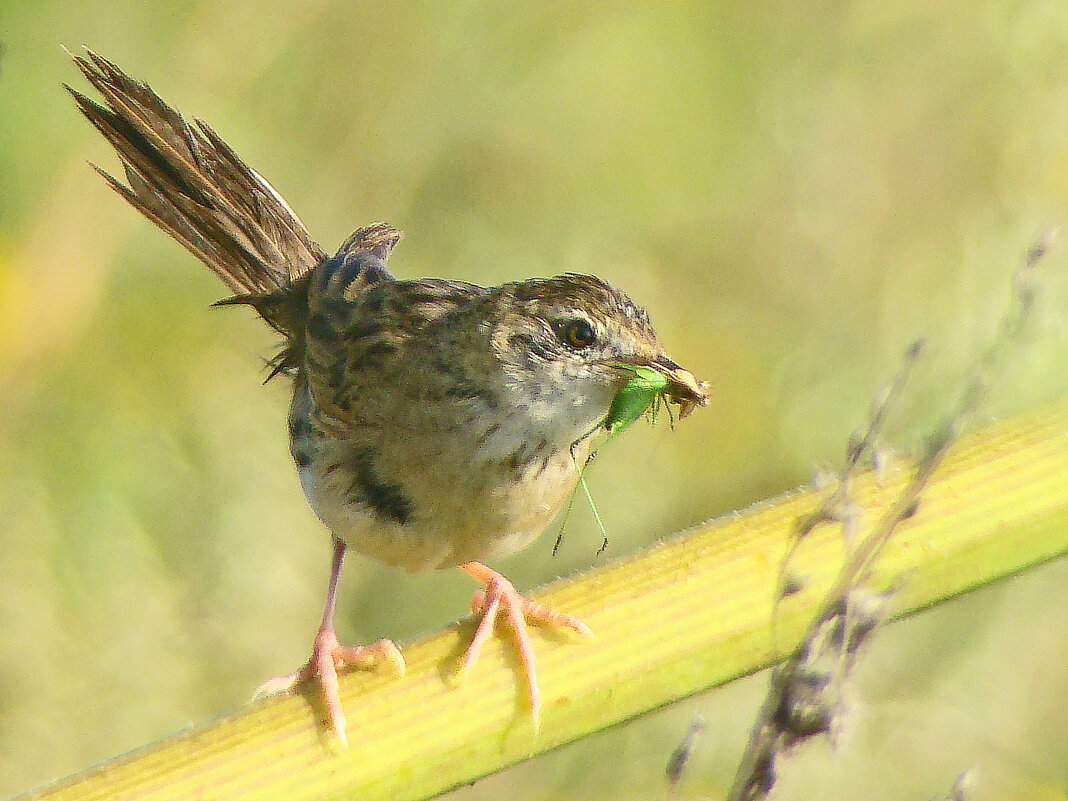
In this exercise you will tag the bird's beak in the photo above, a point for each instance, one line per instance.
(683, 388)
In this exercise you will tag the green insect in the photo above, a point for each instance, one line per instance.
(647, 388)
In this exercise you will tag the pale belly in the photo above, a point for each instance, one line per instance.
(413, 488)
(473, 512)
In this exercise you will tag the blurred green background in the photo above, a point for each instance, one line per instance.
(795, 191)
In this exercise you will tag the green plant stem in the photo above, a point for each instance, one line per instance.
(686, 615)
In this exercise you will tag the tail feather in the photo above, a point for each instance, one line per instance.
(190, 183)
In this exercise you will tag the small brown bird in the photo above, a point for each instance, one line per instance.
(434, 423)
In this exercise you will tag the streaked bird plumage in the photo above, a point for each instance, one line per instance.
(434, 423)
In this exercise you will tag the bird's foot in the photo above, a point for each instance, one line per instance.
(328, 655)
(501, 599)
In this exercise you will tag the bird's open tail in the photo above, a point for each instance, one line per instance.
(190, 182)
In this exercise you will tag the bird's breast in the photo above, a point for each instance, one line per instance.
(418, 495)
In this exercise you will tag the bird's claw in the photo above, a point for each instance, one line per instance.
(501, 599)
(328, 655)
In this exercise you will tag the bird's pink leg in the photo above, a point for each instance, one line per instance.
(501, 598)
(328, 655)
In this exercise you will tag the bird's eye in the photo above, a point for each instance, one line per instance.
(577, 334)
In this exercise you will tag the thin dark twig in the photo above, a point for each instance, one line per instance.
(836, 507)
(680, 757)
(804, 699)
